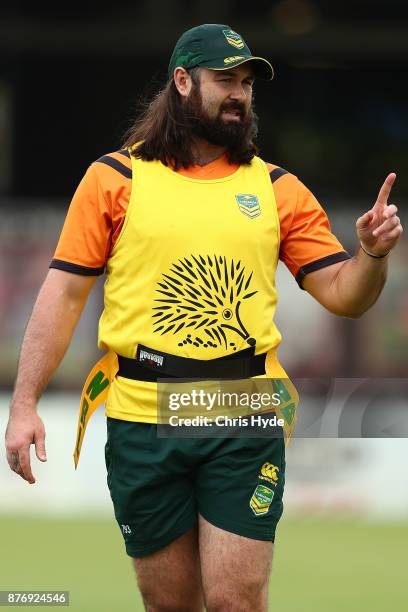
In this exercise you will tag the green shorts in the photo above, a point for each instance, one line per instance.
(159, 485)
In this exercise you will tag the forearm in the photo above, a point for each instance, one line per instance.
(47, 337)
(358, 284)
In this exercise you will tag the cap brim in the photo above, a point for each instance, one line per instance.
(262, 68)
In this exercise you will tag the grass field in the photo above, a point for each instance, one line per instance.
(320, 565)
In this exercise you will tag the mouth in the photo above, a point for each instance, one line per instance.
(231, 115)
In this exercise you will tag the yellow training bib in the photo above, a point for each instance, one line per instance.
(191, 274)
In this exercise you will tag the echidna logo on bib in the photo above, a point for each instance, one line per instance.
(199, 301)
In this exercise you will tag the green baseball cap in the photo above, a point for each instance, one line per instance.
(216, 46)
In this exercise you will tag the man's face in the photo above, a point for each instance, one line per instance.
(227, 93)
(220, 106)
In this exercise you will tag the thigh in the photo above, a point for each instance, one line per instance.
(170, 579)
(235, 570)
(240, 486)
(151, 487)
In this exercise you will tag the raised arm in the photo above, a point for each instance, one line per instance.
(47, 337)
(350, 288)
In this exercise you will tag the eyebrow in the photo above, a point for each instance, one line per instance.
(233, 74)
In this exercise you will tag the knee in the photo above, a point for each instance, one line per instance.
(236, 604)
(156, 600)
(162, 604)
(245, 597)
(168, 607)
(171, 608)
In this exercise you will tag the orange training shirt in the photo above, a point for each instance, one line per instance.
(98, 208)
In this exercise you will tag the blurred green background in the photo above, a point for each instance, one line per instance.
(330, 565)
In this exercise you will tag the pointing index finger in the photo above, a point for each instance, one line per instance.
(386, 189)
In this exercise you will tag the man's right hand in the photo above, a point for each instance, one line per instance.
(48, 334)
(24, 429)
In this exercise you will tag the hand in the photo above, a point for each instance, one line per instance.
(379, 229)
(22, 431)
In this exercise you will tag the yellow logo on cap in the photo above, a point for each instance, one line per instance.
(233, 58)
(234, 39)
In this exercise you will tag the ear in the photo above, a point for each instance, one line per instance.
(182, 81)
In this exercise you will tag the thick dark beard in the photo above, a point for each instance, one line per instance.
(234, 135)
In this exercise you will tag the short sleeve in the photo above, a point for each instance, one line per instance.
(84, 241)
(307, 242)
(95, 216)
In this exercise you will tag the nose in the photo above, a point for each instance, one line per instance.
(239, 93)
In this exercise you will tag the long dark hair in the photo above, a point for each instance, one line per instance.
(164, 131)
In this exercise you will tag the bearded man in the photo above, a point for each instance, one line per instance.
(189, 223)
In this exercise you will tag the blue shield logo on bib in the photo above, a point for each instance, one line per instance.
(248, 204)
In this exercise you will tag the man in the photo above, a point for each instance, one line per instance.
(190, 223)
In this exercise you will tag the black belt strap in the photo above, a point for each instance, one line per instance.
(151, 365)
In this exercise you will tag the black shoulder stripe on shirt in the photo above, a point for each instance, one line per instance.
(67, 266)
(329, 260)
(124, 152)
(116, 165)
(277, 173)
